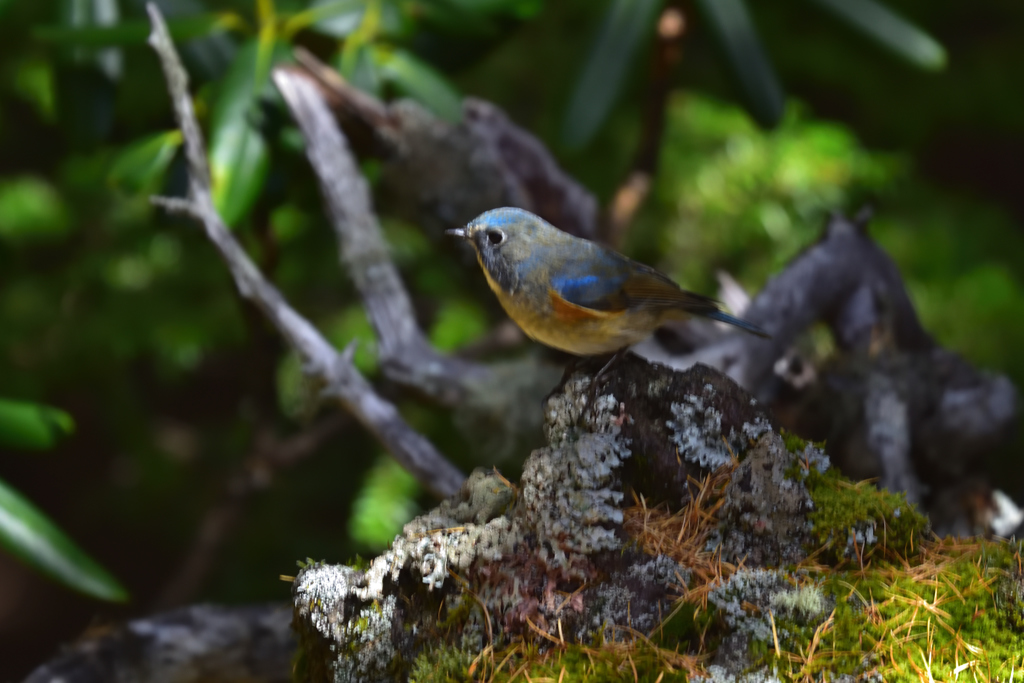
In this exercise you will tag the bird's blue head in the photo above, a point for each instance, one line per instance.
(506, 240)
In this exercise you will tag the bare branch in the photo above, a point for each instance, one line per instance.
(845, 280)
(181, 101)
(321, 361)
(405, 354)
(888, 436)
(530, 173)
(440, 175)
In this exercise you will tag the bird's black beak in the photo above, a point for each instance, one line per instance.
(458, 232)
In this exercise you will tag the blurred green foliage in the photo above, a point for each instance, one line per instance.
(730, 196)
(32, 211)
(31, 426)
(749, 198)
(128, 320)
(384, 504)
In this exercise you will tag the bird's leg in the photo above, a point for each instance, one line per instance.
(616, 357)
(596, 381)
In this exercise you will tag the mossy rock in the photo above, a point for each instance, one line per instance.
(854, 521)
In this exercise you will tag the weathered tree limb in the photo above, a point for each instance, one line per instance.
(441, 175)
(405, 354)
(492, 400)
(845, 279)
(321, 361)
(888, 436)
(252, 644)
(532, 177)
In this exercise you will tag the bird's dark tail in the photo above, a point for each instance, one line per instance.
(722, 316)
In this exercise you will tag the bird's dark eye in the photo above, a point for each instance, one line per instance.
(495, 237)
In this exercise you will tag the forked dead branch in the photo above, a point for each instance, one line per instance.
(324, 364)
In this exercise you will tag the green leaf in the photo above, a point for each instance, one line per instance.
(34, 82)
(31, 210)
(625, 25)
(416, 79)
(335, 18)
(359, 67)
(239, 163)
(386, 501)
(32, 425)
(239, 157)
(890, 30)
(363, 20)
(137, 32)
(360, 40)
(29, 535)
(142, 164)
(738, 37)
(266, 43)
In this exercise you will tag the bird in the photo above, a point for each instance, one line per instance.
(575, 295)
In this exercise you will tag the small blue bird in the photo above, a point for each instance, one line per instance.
(573, 294)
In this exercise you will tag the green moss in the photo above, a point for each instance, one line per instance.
(1010, 601)
(682, 625)
(457, 616)
(437, 665)
(797, 445)
(840, 507)
(759, 652)
(359, 562)
(611, 663)
(794, 444)
(950, 605)
(942, 612)
(309, 562)
(904, 621)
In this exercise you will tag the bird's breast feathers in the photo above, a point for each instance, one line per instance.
(546, 316)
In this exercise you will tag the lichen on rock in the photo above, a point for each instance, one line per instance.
(764, 519)
(747, 598)
(697, 431)
(514, 547)
(598, 561)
